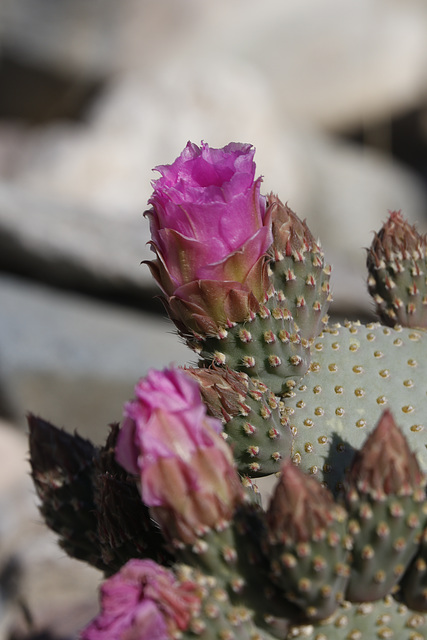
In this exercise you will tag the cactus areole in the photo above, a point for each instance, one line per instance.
(168, 508)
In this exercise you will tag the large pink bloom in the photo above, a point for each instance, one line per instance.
(186, 469)
(211, 231)
(143, 601)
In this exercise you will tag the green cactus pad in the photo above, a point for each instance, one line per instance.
(218, 618)
(267, 347)
(258, 435)
(356, 372)
(297, 269)
(301, 280)
(213, 552)
(252, 417)
(385, 539)
(313, 575)
(413, 587)
(367, 621)
(307, 544)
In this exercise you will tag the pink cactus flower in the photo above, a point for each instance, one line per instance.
(210, 231)
(143, 601)
(186, 469)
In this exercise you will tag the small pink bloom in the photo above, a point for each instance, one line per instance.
(209, 224)
(186, 469)
(143, 601)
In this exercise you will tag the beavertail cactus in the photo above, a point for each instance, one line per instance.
(168, 508)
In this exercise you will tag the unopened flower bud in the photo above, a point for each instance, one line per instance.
(397, 265)
(145, 601)
(385, 464)
(300, 508)
(186, 469)
(210, 231)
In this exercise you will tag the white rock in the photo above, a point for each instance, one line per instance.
(72, 36)
(60, 593)
(348, 193)
(72, 245)
(344, 191)
(75, 362)
(335, 63)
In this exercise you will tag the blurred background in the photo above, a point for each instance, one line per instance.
(93, 95)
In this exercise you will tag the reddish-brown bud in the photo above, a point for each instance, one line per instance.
(223, 390)
(385, 465)
(291, 235)
(301, 508)
(397, 264)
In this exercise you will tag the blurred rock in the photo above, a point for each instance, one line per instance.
(73, 361)
(59, 593)
(70, 35)
(86, 186)
(333, 64)
(348, 193)
(54, 241)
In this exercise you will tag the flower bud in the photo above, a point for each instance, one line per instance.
(223, 390)
(387, 507)
(301, 508)
(210, 231)
(299, 274)
(308, 545)
(397, 265)
(186, 469)
(145, 601)
(290, 233)
(385, 465)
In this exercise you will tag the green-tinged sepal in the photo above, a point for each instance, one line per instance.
(308, 545)
(298, 271)
(385, 497)
(254, 425)
(397, 267)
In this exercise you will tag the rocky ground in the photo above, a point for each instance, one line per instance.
(92, 96)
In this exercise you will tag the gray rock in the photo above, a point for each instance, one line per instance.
(64, 244)
(344, 191)
(73, 361)
(60, 593)
(72, 35)
(346, 196)
(333, 63)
